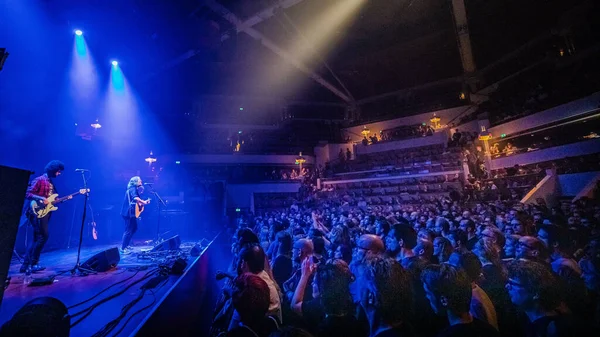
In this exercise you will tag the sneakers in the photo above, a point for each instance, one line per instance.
(37, 267)
(25, 269)
(125, 251)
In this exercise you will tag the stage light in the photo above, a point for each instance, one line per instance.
(177, 162)
(115, 63)
(241, 109)
(96, 125)
(151, 159)
(78, 32)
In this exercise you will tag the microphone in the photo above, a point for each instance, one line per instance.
(82, 170)
(148, 184)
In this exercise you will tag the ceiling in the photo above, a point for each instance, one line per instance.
(386, 46)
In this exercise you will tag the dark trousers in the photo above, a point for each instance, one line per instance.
(40, 237)
(130, 229)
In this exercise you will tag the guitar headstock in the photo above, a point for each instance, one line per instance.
(84, 190)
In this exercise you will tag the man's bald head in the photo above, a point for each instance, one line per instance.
(372, 243)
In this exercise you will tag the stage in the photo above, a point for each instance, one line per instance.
(127, 278)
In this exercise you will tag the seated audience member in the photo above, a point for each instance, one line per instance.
(468, 226)
(510, 247)
(302, 249)
(252, 261)
(441, 249)
(386, 297)
(531, 248)
(366, 246)
(330, 312)
(282, 265)
(400, 242)
(494, 236)
(251, 300)
(423, 250)
(343, 252)
(535, 291)
(449, 293)
(442, 227)
(481, 305)
(559, 243)
(458, 240)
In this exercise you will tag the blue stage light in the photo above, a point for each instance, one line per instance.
(78, 32)
(115, 63)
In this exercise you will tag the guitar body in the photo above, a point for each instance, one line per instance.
(40, 210)
(139, 208)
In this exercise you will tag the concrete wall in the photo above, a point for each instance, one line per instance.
(440, 137)
(572, 184)
(571, 109)
(548, 189)
(329, 152)
(242, 195)
(445, 115)
(590, 188)
(233, 159)
(570, 150)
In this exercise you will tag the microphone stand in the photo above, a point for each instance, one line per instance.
(77, 269)
(161, 202)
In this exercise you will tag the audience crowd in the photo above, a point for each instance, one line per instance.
(446, 267)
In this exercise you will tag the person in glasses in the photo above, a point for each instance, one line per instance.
(531, 248)
(535, 290)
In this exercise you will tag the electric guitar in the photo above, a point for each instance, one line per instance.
(139, 208)
(40, 210)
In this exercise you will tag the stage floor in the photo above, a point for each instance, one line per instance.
(72, 290)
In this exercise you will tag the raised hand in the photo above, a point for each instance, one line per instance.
(308, 266)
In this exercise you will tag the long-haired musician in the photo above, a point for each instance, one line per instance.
(132, 198)
(40, 189)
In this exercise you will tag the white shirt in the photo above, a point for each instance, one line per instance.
(275, 301)
(482, 307)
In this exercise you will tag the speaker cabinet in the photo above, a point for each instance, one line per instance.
(12, 196)
(103, 261)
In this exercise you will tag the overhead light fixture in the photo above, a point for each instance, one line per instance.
(435, 121)
(78, 32)
(365, 131)
(115, 63)
(96, 125)
(151, 159)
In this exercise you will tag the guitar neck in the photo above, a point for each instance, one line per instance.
(58, 200)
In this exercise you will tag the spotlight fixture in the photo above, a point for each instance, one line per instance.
(151, 159)
(115, 63)
(78, 32)
(96, 125)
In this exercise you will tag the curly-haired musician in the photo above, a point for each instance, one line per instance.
(39, 190)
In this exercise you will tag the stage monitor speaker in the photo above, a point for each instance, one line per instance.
(12, 196)
(196, 250)
(103, 261)
(169, 244)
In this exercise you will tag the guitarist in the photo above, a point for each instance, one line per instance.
(40, 189)
(132, 198)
